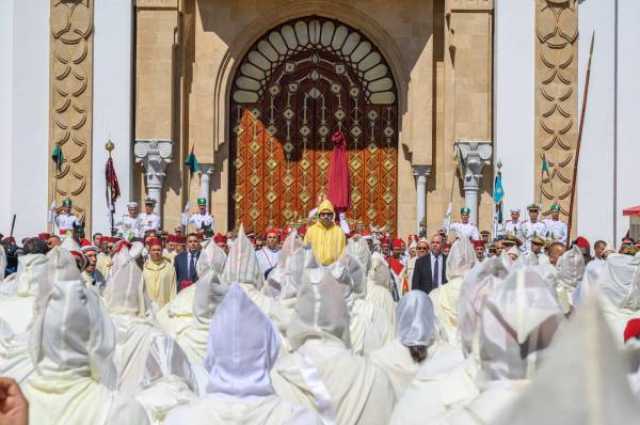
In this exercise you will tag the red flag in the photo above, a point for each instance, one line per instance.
(113, 188)
(339, 190)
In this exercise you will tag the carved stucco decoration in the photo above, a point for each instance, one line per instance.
(71, 98)
(556, 98)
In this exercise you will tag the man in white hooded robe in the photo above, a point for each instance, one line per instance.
(322, 372)
(243, 346)
(519, 319)
(72, 342)
(416, 333)
(461, 259)
(582, 381)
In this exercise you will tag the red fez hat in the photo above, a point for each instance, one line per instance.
(397, 243)
(632, 330)
(84, 243)
(171, 238)
(478, 244)
(582, 242)
(154, 241)
(43, 236)
(272, 231)
(220, 238)
(181, 240)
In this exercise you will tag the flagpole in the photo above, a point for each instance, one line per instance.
(109, 146)
(579, 141)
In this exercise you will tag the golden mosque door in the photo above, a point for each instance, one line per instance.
(297, 85)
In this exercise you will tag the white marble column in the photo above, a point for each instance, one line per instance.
(472, 158)
(421, 172)
(205, 183)
(154, 155)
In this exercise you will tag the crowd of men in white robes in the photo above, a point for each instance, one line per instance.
(507, 339)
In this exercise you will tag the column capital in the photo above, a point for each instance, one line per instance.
(421, 170)
(154, 155)
(472, 157)
(469, 6)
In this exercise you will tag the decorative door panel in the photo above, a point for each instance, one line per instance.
(299, 84)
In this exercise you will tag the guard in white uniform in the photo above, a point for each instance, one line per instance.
(533, 226)
(129, 225)
(513, 226)
(464, 227)
(268, 256)
(557, 230)
(65, 221)
(148, 219)
(202, 218)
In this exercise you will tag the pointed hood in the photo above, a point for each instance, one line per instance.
(70, 244)
(570, 268)
(125, 287)
(481, 281)
(242, 264)
(349, 272)
(208, 295)
(214, 258)
(616, 278)
(287, 276)
(321, 313)
(416, 324)
(583, 380)
(243, 346)
(379, 273)
(73, 335)
(519, 318)
(326, 206)
(358, 248)
(461, 258)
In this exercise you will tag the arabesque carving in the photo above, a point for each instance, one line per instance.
(556, 99)
(70, 116)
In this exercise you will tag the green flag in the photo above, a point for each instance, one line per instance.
(57, 157)
(192, 163)
(545, 166)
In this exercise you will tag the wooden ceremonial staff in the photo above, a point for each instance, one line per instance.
(579, 142)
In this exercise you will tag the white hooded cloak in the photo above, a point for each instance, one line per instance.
(243, 345)
(322, 372)
(72, 342)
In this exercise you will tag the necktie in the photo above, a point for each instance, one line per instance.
(192, 265)
(436, 277)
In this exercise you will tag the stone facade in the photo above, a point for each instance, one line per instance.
(441, 53)
(556, 130)
(71, 102)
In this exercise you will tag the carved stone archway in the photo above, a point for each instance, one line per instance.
(300, 82)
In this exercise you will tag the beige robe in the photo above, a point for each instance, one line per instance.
(444, 382)
(395, 359)
(445, 305)
(325, 376)
(160, 281)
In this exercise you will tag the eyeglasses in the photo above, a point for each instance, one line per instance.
(421, 249)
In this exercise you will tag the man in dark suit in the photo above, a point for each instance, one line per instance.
(430, 270)
(185, 262)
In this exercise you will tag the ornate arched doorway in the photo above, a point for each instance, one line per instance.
(297, 85)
